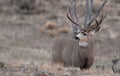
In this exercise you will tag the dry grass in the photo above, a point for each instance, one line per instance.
(52, 33)
(52, 70)
(64, 30)
(28, 38)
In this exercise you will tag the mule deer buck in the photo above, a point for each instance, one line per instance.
(78, 51)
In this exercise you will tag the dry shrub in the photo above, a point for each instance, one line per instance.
(42, 30)
(2, 64)
(116, 1)
(52, 33)
(50, 28)
(25, 6)
(118, 13)
(64, 30)
(50, 25)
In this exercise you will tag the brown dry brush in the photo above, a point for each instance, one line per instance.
(26, 6)
(51, 29)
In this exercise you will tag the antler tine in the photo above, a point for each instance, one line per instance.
(72, 10)
(73, 17)
(97, 25)
(102, 18)
(98, 12)
(72, 20)
(93, 26)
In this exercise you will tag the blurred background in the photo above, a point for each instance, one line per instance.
(28, 29)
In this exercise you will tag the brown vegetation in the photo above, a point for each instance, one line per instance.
(23, 39)
(50, 25)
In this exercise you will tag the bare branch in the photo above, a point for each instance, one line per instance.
(98, 12)
(89, 17)
(98, 23)
(88, 12)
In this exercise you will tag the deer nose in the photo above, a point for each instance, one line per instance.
(76, 38)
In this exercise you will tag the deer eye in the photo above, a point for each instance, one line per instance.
(84, 34)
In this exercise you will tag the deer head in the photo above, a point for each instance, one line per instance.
(92, 21)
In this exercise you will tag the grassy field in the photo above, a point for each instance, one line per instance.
(26, 38)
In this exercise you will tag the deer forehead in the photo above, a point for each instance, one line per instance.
(80, 35)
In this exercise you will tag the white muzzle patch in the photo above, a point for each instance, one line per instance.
(82, 40)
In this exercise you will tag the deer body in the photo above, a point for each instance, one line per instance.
(78, 52)
(70, 53)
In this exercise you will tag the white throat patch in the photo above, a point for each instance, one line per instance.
(83, 43)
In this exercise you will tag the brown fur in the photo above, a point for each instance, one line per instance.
(70, 53)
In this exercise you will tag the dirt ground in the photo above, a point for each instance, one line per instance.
(26, 38)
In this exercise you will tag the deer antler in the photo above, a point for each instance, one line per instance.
(73, 17)
(97, 25)
(89, 20)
